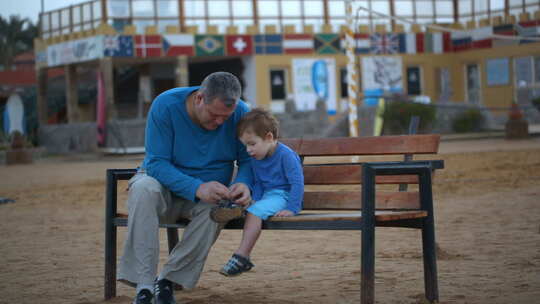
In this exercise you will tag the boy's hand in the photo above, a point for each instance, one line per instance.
(239, 193)
(284, 213)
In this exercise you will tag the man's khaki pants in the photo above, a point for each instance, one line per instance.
(149, 204)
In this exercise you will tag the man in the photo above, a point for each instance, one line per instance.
(191, 147)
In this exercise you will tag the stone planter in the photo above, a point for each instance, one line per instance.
(20, 156)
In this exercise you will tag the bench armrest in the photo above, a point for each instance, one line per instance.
(421, 168)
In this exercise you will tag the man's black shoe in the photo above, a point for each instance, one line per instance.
(164, 292)
(144, 296)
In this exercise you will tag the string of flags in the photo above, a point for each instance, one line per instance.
(276, 44)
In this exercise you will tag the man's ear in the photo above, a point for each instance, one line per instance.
(199, 98)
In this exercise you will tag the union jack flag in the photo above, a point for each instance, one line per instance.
(384, 43)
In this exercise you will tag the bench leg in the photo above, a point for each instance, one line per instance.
(428, 240)
(110, 261)
(172, 238)
(368, 236)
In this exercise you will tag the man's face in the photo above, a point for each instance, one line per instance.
(211, 115)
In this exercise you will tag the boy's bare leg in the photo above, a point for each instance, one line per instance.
(252, 231)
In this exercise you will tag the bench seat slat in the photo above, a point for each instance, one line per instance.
(348, 174)
(379, 216)
(351, 200)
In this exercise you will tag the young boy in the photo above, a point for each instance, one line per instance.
(278, 187)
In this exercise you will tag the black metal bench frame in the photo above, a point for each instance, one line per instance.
(368, 222)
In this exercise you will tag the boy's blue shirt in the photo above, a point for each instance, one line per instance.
(282, 170)
(181, 155)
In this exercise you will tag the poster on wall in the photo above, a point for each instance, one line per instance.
(314, 79)
(497, 71)
(381, 74)
(75, 51)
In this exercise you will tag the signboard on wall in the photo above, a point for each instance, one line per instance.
(314, 79)
(381, 74)
(75, 51)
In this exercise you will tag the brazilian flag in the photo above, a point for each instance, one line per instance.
(209, 45)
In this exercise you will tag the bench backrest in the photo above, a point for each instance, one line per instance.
(341, 181)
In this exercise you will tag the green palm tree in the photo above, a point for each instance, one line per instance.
(16, 37)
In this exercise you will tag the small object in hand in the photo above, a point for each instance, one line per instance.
(4, 200)
(225, 211)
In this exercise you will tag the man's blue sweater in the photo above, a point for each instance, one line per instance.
(181, 155)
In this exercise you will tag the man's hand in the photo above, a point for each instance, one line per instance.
(212, 192)
(284, 212)
(240, 194)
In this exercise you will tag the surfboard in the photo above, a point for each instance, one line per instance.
(378, 124)
(14, 115)
(101, 110)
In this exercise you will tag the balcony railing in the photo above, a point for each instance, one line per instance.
(260, 13)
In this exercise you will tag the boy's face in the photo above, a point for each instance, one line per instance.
(258, 147)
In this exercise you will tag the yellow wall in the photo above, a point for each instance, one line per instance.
(491, 96)
(264, 64)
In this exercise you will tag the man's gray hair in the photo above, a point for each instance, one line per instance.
(222, 85)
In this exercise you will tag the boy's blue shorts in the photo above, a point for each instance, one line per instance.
(271, 203)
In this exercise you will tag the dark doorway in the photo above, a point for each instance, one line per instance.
(199, 70)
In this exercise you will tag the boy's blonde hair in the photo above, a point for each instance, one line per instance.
(260, 122)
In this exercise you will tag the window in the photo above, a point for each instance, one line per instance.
(278, 85)
(414, 81)
(473, 83)
(343, 81)
(527, 71)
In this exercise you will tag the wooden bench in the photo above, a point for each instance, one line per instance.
(352, 204)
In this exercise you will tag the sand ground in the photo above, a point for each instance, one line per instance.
(487, 216)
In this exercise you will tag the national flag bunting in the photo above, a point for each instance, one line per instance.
(362, 43)
(504, 30)
(482, 37)
(326, 43)
(298, 43)
(239, 45)
(528, 29)
(148, 46)
(407, 43)
(461, 40)
(209, 45)
(118, 46)
(178, 44)
(268, 44)
(384, 43)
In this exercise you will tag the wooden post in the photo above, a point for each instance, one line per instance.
(352, 77)
(107, 68)
(104, 14)
(72, 96)
(181, 16)
(42, 107)
(182, 71)
(145, 89)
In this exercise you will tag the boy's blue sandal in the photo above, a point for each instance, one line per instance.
(225, 211)
(236, 265)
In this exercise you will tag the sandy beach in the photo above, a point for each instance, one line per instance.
(487, 213)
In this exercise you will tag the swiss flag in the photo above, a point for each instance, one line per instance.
(148, 45)
(239, 45)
